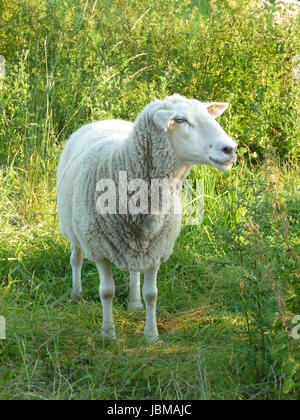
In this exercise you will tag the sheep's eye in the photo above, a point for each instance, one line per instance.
(180, 120)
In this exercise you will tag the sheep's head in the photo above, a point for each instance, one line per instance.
(193, 132)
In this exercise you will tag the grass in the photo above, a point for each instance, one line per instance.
(229, 292)
(211, 336)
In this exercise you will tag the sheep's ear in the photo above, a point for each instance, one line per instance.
(162, 119)
(215, 109)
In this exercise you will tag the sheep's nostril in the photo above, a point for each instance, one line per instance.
(228, 150)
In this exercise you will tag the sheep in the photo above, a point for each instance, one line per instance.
(168, 138)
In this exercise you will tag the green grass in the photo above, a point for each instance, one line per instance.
(229, 292)
(54, 347)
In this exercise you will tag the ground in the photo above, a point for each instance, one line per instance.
(214, 342)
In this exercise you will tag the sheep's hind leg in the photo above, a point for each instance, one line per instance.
(150, 297)
(76, 264)
(107, 293)
(135, 301)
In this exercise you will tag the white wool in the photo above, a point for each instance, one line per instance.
(101, 150)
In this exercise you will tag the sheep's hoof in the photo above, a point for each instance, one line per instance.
(135, 306)
(76, 294)
(108, 333)
(151, 339)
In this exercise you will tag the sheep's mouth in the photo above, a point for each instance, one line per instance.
(222, 162)
(227, 164)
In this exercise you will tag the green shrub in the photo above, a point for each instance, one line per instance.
(85, 60)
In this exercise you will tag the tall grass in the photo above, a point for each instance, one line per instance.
(74, 61)
(230, 290)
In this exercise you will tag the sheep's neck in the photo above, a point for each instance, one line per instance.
(152, 157)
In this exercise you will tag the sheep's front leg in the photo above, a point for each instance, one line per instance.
(135, 301)
(107, 293)
(76, 264)
(150, 296)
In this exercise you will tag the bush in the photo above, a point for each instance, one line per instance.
(79, 61)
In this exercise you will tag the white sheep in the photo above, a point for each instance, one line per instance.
(167, 139)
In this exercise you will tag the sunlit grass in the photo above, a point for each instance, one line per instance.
(54, 347)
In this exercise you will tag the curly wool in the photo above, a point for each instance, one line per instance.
(100, 151)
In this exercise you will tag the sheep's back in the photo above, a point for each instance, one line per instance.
(89, 135)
